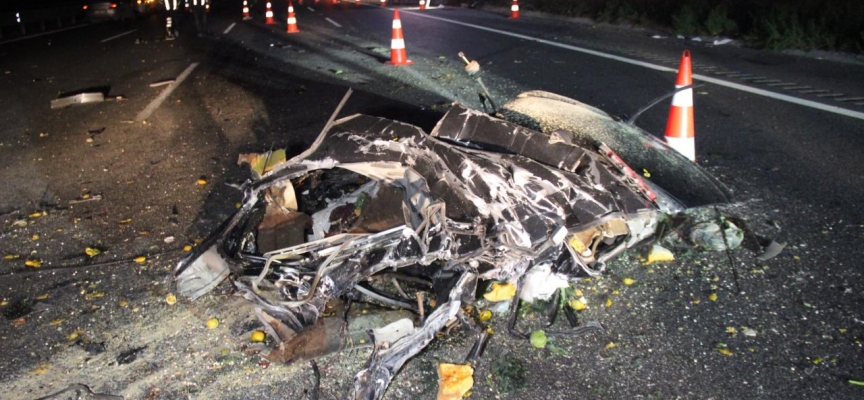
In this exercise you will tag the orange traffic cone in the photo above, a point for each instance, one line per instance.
(422, 4)
(514, 10)
(679, 128)
(292, 20)
(357, 2)
(246, 10)
(398, 56)
(269, 15)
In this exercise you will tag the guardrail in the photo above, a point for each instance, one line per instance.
(42, 19)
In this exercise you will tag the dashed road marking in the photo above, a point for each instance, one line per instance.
(144, 114)
(118, 36)
(230, 27)
(310, 9)
(719, 82)
(333, 22)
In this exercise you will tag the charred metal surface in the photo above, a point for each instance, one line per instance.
(568, 123)
(381, 212)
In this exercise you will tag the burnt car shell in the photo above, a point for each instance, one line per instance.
(479, 198)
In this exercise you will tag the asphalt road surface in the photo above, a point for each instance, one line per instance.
(144, 173)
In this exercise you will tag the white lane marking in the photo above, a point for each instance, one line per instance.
(44, 33)
(117, 36)
(311, 9)
(143, 115)
(230, 27)
(333, 22)
(719, 82)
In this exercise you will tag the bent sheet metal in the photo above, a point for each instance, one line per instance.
(375, 198)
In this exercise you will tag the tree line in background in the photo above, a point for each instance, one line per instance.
(834, 25)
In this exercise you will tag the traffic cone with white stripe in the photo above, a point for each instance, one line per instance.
(422, 4)
(679, 128)
(383, 3)
(357, 2)
(292, 20)
(398, 55)
(514, 10)
(269, 15)
(246, 10)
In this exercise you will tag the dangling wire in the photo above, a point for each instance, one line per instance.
(654, 102)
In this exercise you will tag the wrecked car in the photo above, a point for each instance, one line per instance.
(379, 211)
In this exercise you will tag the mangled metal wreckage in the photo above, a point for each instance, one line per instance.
(480, 198)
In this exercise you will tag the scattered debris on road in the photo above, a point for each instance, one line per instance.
(81, 98)
(162, 83)
(379, 212)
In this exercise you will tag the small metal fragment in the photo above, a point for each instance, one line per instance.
(80, 98)
(162, 83)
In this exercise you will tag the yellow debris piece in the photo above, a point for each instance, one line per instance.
(485, 315)
(608, 302)
(125, 221)
(501, 292)
(818, 360)
(123, 303)
(35, 215)
(628, 281)
(56, 321)
(212, 323)
(578, 304)
(611, 345)
(11, 257)
(658, 254)
(454, 381)
(187, 248)
(577, 245)
(261, 164)
(202, 181)
(73, 335)
(257, 336)
(140, 259)
(42, 296)
(94, 295)
(731, 330)
(171, 299)
(35, 238)
(726, 352)
(92, 251)
(578, 293)
(712, 297)
(41, 369)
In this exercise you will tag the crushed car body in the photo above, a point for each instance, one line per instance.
(375, 204)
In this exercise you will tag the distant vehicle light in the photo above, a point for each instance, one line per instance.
(86, 6)
(113, 5)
